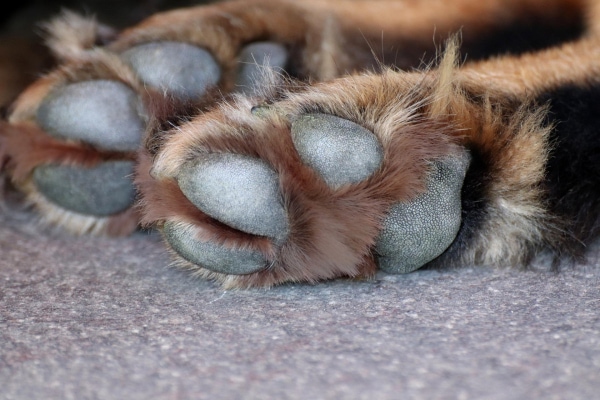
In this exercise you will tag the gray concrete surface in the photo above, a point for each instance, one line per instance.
(93, 318)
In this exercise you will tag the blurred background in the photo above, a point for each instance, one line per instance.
(22, 54)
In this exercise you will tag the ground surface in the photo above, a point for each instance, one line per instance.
(90, 318)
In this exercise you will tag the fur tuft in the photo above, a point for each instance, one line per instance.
(70, 35)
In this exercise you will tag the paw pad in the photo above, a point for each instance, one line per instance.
(244, 193)
(103, 113)
(240, 191)
(415, 233)
(182, 69)
(341, 151)
(253, 59)
(210, 255)
(102, 190)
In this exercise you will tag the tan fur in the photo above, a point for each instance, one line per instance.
(121, 224)
(70, 35)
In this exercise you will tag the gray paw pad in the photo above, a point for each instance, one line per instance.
(253, 59)
(240, 191)
(102, 190)
(182, 69)
(341, 151)
(415, 233)
(211, 256)
(103, 113)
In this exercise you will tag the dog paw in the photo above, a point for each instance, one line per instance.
(293, 191)
(73, 135)
(72, 151)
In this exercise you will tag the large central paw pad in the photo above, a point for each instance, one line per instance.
(415, 233)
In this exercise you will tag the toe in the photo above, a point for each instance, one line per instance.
(212, 256)
(104, 113)
(253, 60)
(341, 151)
(240, 191)
(107, 115)
(102, 190)
(181, 69)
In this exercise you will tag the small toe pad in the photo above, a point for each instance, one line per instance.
(240, 191)
(182, 69)
(209, 255)
(103, 113)
(253, 59)
(341, 151)
(102, 190)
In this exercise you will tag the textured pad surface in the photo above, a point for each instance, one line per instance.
(240, 191)
(253, 59)
(103, 113)
(417, 232)
(102, 190)
(341, 151)
(182, 69)
(212, 256)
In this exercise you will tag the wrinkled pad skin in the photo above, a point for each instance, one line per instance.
(103, 113)
(341, 151)
(415, 233)
(209, 255)
(102, 190)
(253, 59)
(181, 69)
(240, 191)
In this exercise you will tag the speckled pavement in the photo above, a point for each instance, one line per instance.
(97, 318)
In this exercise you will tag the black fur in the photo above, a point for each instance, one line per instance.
(520, 37)
(573, 170)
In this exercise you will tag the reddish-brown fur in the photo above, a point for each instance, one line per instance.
(331, 232)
